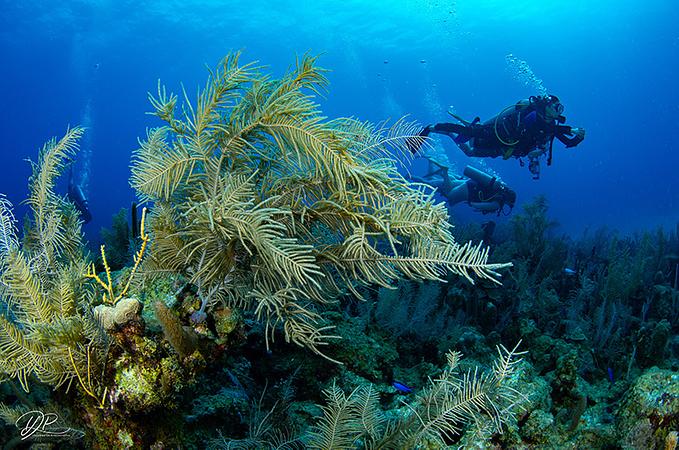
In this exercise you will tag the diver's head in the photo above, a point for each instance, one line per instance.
(553, 108)
(509, 198)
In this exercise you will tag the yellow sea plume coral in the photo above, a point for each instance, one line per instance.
(266, 204)
(47, 329)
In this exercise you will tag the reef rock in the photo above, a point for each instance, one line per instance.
(650, 410)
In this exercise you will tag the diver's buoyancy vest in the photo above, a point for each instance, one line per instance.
(503, 129)
(514, 128)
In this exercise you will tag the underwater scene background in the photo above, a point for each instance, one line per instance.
(290, 285)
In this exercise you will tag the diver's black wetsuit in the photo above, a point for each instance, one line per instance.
(77, 196)
(488, 144)
(518, 131)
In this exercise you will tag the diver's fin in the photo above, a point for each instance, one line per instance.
(464, 122)
(438, 163)
(440, 171)
(440, 167)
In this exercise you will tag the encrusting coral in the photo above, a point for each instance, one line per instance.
(266, 205)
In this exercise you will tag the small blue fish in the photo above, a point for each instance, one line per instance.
(569, 272)
(402, 388)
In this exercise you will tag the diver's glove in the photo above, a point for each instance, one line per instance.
(578, 136)
(579, 132)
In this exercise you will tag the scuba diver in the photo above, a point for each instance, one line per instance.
(481, 191)
(526, 129)
(77, 196)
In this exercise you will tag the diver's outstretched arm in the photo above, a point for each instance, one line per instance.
(564, 131)
(452, 130)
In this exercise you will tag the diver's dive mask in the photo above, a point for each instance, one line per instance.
(554, 108)
(553, 112)
(548, 105)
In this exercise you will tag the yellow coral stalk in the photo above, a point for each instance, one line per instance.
(88, 388)
(140, 253)
(108, 296)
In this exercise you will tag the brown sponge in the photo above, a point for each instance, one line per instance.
(182, 339)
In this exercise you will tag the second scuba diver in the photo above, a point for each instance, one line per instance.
(481, 191)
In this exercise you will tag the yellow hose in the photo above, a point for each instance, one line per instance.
(497, 135)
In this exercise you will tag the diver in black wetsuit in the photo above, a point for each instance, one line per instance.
(526, 129)
(77, 196)
(481, 191)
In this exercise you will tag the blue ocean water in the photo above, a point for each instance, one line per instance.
(613, 64)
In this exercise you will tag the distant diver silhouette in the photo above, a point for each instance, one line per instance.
(77, 196)
(525, 129)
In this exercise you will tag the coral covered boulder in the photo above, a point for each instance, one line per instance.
(650, 410)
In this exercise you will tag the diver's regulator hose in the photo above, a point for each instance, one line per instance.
(497, 135)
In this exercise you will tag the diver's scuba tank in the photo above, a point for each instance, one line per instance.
(489, 194)
(484, 180)
(486, 207)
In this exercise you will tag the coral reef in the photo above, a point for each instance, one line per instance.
(269, 220)
(650, 410)
(266, 206)
(118, 241)
(183, 340)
